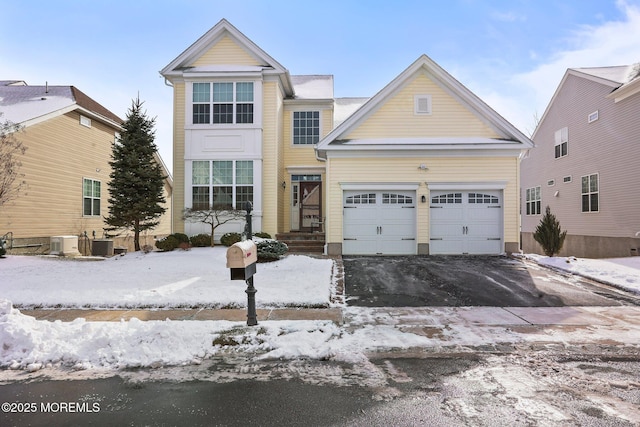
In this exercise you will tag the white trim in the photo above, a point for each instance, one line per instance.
(482, 185)
(406, 152)
(305, 170)
(85, 121)
(443, 79)
(422, 105)
(408, 186)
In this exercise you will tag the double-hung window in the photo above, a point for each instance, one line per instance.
(533, 201)
(306, 127)
(221, 184)
(90, 197)
(590, 191)
(561, 142)
(223, 103)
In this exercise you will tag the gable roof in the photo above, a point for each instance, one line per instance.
(511, 137)
(624, 81)
(183, 63)
(27, 105)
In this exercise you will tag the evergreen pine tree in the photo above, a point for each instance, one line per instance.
(549, 234)
(137, 182)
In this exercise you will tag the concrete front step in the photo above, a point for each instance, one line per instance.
(303, 242)
(300, 236)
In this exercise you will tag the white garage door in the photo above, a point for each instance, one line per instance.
(465, 222)
(379, 223)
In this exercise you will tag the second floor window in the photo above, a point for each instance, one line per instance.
(223, 103)
(562, 142)
(306, 127)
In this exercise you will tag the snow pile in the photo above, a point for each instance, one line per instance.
(623, 273)
(31, 344)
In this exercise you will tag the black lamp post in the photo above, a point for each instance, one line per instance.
(252, 318)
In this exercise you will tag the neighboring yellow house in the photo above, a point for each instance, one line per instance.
(69, 139)
(423, 167)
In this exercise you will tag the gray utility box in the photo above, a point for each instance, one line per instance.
(241, 259)
(102, 247)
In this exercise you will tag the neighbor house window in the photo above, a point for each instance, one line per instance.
(221, 184)
(90, 197)
(306, 127)
(222, 103)
(561, 142)
(533, 201)
(590, 186)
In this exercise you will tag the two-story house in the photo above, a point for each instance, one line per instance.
(69, 139)
(585, 164)
(424, 166)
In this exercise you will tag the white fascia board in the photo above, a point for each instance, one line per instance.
(394, 152)
(100, 118)
(365, 186)
(48, 116)
(445, 141)
(305, 170)
(301, 104)
(466, 185)
(625, 91)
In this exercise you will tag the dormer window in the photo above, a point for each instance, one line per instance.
(223, 103)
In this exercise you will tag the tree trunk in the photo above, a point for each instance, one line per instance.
(136, 235)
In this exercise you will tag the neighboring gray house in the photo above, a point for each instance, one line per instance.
(586, 164)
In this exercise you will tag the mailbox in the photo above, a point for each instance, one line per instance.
(241, 259)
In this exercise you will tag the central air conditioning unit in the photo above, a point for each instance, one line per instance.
(64, 246)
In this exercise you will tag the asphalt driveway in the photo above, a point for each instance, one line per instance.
(452, 281)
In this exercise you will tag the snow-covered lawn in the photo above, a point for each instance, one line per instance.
(194, 278)
(623, 273)
(199, 278)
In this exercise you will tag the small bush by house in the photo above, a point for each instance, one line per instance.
(271, 250)
(229, 239)
(201, 240)
(168, 243)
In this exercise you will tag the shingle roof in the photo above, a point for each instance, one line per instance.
(20, 103)
(619, 74)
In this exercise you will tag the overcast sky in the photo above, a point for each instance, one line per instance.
(511, 53)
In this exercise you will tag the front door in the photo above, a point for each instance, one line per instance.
(310, 198)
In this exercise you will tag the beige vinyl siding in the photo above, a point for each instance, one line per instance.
(270, 159)
(178, 156)
(300, 155)
(608, 147)
(281, 171)
(164, 227)
(60, 153)
(226, 51)
(396, 119)
(401, 170)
